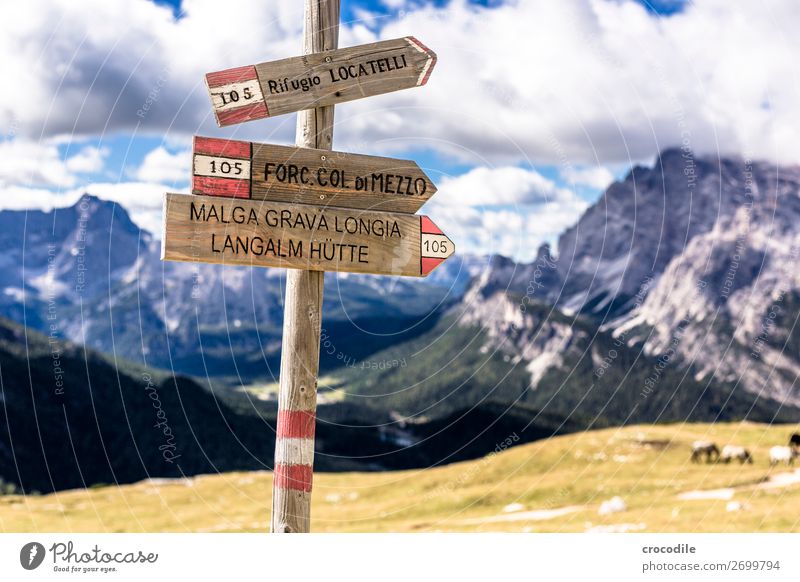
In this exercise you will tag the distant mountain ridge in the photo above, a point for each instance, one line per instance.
(691, 261)
(95, 276)
(673, 297)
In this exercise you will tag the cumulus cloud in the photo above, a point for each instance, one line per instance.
(25, 162)
(88, 160)
(598, 177)
(143, 200)
(593, 80)
(588, 81)
(95, 66)
(506, 185)
(159, 165)
(514, 233)
(581, 85)
(505, 210)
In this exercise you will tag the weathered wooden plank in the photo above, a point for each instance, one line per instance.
(318, 79)
(310, 176)
(300, 236)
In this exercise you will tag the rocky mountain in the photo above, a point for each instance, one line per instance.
(71, 417)
(90, 275)
(673, 297)
(690, 263)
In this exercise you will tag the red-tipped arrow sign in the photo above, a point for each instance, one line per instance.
(263, 233)
(319, 79)
(242, 169)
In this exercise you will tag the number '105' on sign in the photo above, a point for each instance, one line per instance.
(232, 97)
(436, 246)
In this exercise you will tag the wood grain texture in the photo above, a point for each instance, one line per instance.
(326, 77)
(302, 313)
(264, 233)
(316, 176)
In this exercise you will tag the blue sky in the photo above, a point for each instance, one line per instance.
(533, 109)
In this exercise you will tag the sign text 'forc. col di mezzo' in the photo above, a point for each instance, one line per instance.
(300, 236)
(241, 169)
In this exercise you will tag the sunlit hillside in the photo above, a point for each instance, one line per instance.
(554, 486)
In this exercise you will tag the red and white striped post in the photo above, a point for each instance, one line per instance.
(302, 319)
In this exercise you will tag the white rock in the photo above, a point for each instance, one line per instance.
(735, 506)
(613, 505)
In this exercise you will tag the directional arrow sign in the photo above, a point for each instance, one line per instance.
(242, 169)
(263, 233)
(319, 79)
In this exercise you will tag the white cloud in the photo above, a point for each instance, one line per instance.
(77, 76)
(505, 210)
(531, 81)
(141, 199)
(581, 81)
(598, 177)
(89, 160)
(579, 84)
(515, 233)
(159, 165)
(29, 163)
(495, 186)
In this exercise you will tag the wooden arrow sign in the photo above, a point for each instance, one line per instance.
(319, 79)
(263, 233)
(242, 169)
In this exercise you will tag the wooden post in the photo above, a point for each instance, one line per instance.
(302, 318)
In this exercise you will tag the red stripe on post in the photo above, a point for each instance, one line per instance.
(229, 76)
(296, 424)
(297, 477)
(240, 114)
(429, 264)
(212, 146)
(224, 187)
(427, 226)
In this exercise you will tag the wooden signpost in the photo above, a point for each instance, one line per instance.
(318, 79)
(307, 209)
(261, 233)
(242, 169)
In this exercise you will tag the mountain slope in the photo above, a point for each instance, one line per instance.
(555, 485)
(98, 278)
(553, 365)
(70, 418)
(691, 261)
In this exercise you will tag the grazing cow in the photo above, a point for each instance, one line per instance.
(781, 455)
(794, 440)
(707, 448)
(733, 452)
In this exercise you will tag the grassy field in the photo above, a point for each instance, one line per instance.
(548, 486)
